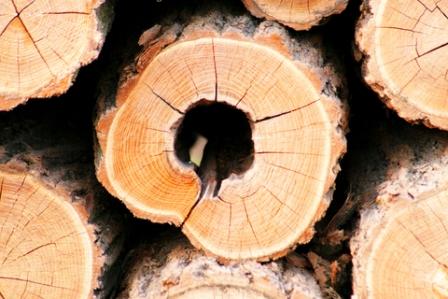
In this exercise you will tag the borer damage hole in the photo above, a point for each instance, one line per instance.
(216, 138)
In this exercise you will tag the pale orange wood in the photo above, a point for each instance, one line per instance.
(297, 14)
(405, 55)
(44, 43)
(265, 211)
(400, 248)
(171, 268)
(404, 256)
(59, 236)
(46, 244)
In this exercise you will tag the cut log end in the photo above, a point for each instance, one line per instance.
(402, 238)
(46, 245)
(272, 135)
(405, 46)
(179, 271)
(299, 15)
(400, 247)
(42, 46)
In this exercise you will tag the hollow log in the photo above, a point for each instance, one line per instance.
(44, 43)
(229, 129)
(400, 247)
(174, 269)
(404, 53)
(297, 14)
(58, 239)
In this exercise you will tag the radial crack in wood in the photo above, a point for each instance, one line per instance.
(60, 233)
(176, 270)
(273, 124)
(297, 14)
(46, 246)
(410, 236)
(44, 43)
(405, 61)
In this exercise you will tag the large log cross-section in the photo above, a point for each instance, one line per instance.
(222, 131)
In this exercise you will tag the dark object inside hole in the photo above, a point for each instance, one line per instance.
(229, 148)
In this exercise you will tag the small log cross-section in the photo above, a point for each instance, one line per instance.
(226, 134)
(173, 269)
(57, 237)
(400, 249)
(405, 255)
(297, 14)
(405, 49)
(43, 44)
(46, 247)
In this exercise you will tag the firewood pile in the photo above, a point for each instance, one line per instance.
(223, 149)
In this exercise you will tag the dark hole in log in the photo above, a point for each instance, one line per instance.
(228, 149)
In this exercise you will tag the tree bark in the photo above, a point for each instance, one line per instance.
(43, 45)
(403, 48)
(399, 250)
(290, 99)
(173, 269)
(59, 237)
(299, 15)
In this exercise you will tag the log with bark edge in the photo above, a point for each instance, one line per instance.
(404, 48)
(58, 237)
(272, 100)
(44, 43)
(297, 14)
(400, 249)
(173, 269)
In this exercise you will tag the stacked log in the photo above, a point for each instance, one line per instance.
(399, 250)
(44, 43)
(59, 236)
(229, 129)
(172, 268)
(297, 14)
(403, 49)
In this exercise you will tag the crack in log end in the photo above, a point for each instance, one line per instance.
(164, 100)
(423, 246)
(216, 70)
(37, 61)
(432, 50)
(228, 147)
(28, 34)
(408, 42)
(250, 223)
(286, 112)
(1, 188)
(36, 249)
(35, 282)
(15, 7)
(66, 13)
(26, 6)
(7, 25)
